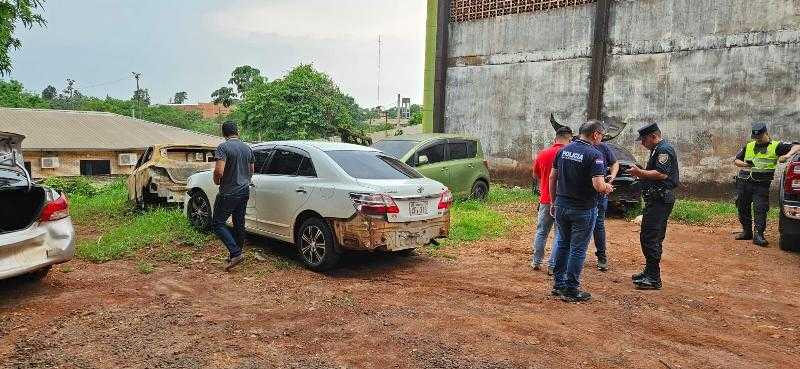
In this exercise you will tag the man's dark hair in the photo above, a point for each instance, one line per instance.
(590, 127)
(229, 129)
(564, 133)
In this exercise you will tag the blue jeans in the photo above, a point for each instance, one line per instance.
(575, 228)
(600, 228)
(224, 208)
(543, 227)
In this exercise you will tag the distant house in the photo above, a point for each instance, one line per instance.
(72, 143)
(208, 110)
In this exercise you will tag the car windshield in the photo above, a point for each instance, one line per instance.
(396, 148)
(372, 165)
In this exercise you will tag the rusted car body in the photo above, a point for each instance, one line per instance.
(366, 233)
(161, 172)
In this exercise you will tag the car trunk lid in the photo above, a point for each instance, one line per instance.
(416, 199)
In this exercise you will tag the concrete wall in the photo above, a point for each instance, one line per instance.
(703, 69)
(70, 162)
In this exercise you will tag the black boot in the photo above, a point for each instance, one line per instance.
(745, 235)
(638, 276)
(647, 283)
(759, 240)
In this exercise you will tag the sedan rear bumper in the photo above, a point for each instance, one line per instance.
(36, 247)
(371, 234)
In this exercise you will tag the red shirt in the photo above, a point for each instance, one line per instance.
(542, 168)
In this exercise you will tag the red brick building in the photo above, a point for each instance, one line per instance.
(208, 110)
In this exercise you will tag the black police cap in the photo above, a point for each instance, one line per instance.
(758, 129)
(648, 129)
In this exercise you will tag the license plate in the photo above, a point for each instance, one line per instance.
(418, 208)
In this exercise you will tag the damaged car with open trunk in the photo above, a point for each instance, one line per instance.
(327, 197)
(161, 172)
(36, 231)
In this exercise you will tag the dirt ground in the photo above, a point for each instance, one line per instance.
(724, 305)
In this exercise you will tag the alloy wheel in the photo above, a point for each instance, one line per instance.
(312, 245)
(200, 212)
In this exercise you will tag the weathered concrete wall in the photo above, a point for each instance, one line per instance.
(507, 74)
(703, 69)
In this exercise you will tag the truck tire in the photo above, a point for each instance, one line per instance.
(480, 189)
(315, 242)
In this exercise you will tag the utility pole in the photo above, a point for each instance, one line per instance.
(138, 93)
(379, 70)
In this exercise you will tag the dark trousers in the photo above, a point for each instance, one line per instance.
(575, 228)
(600, 228)
(654, 229)
(752, 201)
(230, 207)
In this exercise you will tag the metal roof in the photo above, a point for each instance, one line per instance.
(55, 130)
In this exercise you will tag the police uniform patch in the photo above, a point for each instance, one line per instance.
(663, 158)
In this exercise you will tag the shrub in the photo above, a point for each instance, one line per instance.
(72, 186)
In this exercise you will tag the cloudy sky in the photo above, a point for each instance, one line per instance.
(192, 45)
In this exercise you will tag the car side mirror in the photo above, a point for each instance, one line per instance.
(422, 160)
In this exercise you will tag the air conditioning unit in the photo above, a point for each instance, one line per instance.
(127, 160)
(50, 162)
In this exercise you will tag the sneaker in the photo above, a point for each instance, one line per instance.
(647, 283)
(602, 265)
(575, 295)
(557, 291)
(234, 262)
(635, 277)
(759, 240)
(550, 270)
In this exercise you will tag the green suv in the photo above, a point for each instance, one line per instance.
(454, 160)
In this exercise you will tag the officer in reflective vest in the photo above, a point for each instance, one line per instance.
(758, 160)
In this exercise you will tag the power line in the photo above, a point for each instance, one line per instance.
(106, 83)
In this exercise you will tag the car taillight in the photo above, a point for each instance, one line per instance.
(374, 203)
(55, 210)
(446, 200)
(792, 183)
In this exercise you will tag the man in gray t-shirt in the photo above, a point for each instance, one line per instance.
(233, 170)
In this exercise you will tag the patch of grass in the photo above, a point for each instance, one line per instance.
(108, 203)
(500, 195)
(145, 267)
(157, 227)
(699, 212)
(67, 269)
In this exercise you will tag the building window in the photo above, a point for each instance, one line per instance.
(95, 167)
(28, 167)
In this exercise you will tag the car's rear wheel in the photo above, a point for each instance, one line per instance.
(480, 189)
(787, 242)
(199, 211)
(315, 242)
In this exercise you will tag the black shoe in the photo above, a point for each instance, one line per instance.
(575, 295)
(550, 270)
(635, 277)
(759, 240)
(744, 236)
(647, 283)
(602, 265)
(557, 291)
(234, 262)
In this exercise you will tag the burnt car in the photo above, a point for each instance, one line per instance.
(627, 189)
(36, 231)
(789, 221)
(161, 172)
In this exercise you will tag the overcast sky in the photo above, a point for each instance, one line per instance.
(193, 45)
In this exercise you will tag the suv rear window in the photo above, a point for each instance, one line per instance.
(372, 165)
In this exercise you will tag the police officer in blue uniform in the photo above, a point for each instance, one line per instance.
(658, 179)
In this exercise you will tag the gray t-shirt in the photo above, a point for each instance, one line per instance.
(237, 156)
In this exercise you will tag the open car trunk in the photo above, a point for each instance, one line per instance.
(22, 201)
(21, 207)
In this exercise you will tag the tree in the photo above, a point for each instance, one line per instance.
(224, 96)
(305, 104)
(68, 91)
(142, 95)
(49, 93)
(11, 12)
(13, 95)
(244, 77)
(180, 97)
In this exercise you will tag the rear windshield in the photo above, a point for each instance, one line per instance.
(395, 148)
(372, 165)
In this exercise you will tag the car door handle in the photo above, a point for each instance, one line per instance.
(301, 190)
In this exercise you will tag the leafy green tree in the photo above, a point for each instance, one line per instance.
(13, 95)
(12, 12)
(224, 96)
(305, 104)
(180, 97)
(244, 77)
(49, 93)
(142, 95)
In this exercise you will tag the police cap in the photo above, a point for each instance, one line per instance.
(646, 130)
(758, 129)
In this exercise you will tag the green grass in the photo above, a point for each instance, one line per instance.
(157, 227)
(700, 212)
(500, 195)
(145, 267)
(108, 203)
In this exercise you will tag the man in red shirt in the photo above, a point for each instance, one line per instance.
(541, 171)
